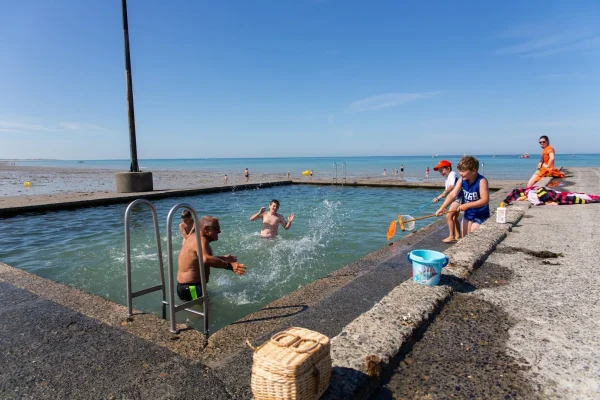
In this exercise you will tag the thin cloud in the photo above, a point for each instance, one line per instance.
(78, 126)
(19, 127)
(388, 100)
(552, 37)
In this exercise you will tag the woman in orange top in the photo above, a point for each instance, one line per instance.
(546, 163)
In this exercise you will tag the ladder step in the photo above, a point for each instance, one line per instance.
(145, 291)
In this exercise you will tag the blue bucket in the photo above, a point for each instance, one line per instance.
(427, 266)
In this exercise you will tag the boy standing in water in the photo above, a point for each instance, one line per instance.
(445, 168)
(474, 190)
(271, 220)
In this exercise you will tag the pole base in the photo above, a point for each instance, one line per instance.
(133, 182)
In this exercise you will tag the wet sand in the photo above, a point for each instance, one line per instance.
(55, 185)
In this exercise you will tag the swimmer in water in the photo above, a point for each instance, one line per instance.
(187, 224)
(271, 220)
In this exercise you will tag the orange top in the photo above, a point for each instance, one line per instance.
(546, 156)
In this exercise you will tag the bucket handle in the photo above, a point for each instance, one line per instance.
(446, 261)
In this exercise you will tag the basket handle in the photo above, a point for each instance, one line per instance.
(296, 344)
(275, 339)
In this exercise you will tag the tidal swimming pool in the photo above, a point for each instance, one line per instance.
(333, 227)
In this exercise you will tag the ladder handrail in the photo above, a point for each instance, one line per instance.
(130, 294)
(334, 174)
(343, 173)
(174, 309)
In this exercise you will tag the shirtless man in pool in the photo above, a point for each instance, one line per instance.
(188, 275)
(271, 220)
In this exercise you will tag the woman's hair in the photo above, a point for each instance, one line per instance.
(186, 214)
(545, 137)
(468, 163)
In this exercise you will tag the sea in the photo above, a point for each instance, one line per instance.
(492, 166)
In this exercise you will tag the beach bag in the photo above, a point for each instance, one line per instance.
(293, 365)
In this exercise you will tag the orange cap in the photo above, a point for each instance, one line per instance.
(442, 164)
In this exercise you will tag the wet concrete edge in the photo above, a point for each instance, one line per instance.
(369, 348)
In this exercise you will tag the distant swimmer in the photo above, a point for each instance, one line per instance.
(247, 175)
(187, 224)
(225, 179)
(271, 220)
(188, 275)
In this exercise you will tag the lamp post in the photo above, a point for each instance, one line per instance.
(130, 111)
(134, 180)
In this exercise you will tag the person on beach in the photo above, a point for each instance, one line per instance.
(427, 173)
(445, 169)
(546, 163)
(225, 179)
(187, 224)
(288, 175)
(402, 171)
(311, 172)
(472, 188)
(247, 175)
(384, 172)
(271, 220)
(188, 274)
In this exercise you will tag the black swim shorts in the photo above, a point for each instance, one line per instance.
(189, 291)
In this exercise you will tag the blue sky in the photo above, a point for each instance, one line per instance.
(298, 78)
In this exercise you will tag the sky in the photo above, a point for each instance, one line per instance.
(298, 78)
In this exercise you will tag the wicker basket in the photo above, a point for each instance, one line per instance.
(293, 364)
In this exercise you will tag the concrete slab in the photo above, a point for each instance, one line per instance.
(48, 352)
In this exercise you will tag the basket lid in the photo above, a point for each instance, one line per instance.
(289, 351)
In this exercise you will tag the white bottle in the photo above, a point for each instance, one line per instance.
(501, 214)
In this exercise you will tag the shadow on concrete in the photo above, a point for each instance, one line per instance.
(302, 308)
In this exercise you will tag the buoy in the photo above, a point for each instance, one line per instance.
(28, 183)
(307, 172)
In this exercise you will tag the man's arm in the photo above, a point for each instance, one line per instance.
(550, 160)
(258, 214)
(484, 192)
(220, 262)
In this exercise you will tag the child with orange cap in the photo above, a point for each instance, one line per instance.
(445, 169)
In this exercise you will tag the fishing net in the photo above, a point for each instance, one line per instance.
(407, 222)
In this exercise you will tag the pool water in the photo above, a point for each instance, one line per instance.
(333, 227)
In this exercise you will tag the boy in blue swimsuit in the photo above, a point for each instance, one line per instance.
(474, 191)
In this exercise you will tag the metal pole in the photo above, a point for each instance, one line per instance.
(132, 144)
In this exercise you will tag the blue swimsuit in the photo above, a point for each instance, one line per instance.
(470, 193)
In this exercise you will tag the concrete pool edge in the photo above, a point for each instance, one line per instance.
(143, 325)
(368, 348)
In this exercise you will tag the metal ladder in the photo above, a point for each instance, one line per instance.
(334, 176)
(130, 294)
(173, 309)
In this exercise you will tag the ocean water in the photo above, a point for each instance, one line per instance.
(493, 167)
(333, 226)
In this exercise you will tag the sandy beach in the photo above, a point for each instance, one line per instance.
(54, 180)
